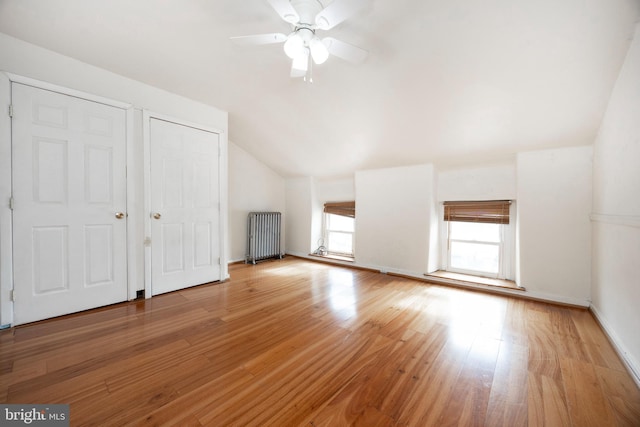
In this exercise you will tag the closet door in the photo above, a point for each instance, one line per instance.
(69, 191)
(185, 206)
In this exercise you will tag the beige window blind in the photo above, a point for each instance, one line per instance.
(493, 211)
(341, 208)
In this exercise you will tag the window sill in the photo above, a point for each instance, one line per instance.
(335, 257)
(498, 283)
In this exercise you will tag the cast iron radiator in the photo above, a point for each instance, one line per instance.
(263, 236)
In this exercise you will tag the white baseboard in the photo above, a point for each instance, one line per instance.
(627, 358)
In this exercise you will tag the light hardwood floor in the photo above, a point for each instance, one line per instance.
(293, 342)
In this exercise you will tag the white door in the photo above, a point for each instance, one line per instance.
(69, 190)
(185, 208)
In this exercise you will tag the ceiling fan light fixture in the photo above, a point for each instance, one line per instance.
(319, 51)
(301, 62)
(294, 46)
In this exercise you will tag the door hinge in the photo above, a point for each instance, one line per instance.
(11, 203)
(10, 110)
(12, 295)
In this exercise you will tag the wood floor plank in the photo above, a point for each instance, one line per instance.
(71, 381)
(432, 398)
(377, 365)
(547, 404)
(596, 343)
(622, 394)
(508, 399)
(404, 394)
(211, 394)
(292, 342)
(470, 393)
(585, 395)
(271, 396)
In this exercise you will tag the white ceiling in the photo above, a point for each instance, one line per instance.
(449, 82)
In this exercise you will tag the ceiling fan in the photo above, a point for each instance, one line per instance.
(302, 44)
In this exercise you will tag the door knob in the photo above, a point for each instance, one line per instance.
(119, 215)
(157, 215)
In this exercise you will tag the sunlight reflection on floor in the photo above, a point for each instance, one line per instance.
(342, 296)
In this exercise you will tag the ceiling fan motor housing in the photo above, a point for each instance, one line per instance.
(307, 11)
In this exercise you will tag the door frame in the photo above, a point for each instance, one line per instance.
(6, 191)
(147, 115)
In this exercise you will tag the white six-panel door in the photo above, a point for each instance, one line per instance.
(185, 206)
(69, 217)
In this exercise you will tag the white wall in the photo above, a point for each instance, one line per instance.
(616, 208)
(553, 208)
(317, 210)
(298, 216)
(433, 236)
(252, 187)
(394, 218)
(495, 182)
(335, 190)
(21, 58)
(33, 61)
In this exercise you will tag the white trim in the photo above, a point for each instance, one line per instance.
(632, 365)
(171, 119)
(626, 220)
(67, 91)
(6, 228)
(147, 115)
(132, 210)
(146, 118)
(223, 177)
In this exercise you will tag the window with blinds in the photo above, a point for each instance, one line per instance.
(490, 212)
(339, 227)
(478, 237)
(341, 208)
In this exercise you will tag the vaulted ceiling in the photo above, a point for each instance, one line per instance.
(449, 82)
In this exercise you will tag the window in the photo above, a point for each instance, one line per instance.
(479, 238)
(339, 230)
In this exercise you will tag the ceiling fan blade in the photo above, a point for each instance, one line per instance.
(300, 65)
(259, 39)
(337, 12)
(345, 51)
(285, 10)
